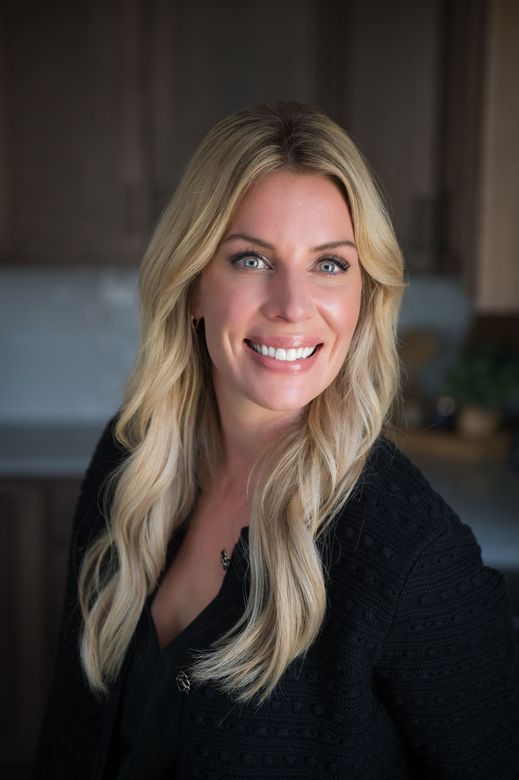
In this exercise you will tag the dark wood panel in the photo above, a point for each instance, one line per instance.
(74, 161)
(35, 522)
(104, 103)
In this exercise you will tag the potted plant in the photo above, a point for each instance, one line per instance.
(483, 383)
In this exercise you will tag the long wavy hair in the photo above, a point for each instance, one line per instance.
(169, 421)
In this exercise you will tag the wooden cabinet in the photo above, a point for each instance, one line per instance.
(496, 282)
(35, 522)
(208, 59)
(105, 103)
(71, 138)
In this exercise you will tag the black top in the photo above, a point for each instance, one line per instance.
(414, 673)
(151, 719)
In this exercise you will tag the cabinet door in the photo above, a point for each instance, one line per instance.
(22, 606)
(207, 59)
(497, 283)
(72, 147)
(35, 522)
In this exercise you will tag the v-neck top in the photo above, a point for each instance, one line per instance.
(148, 733)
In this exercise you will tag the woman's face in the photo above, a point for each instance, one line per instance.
(280, 299)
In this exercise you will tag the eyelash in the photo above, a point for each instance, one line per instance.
(343, 264)
(235, 259)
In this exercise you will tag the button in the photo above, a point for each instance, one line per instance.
(183, 682)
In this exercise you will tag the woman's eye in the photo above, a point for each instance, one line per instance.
(249, 262)
(332, 265)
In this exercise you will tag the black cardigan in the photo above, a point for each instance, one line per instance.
(414, 674)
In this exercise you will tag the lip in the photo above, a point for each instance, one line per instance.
(286, 342)
(284, 366)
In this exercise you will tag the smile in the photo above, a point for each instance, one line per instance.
(284, 355)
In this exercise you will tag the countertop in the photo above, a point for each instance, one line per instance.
(47, 449)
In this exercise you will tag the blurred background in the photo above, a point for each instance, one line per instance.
(102, 102)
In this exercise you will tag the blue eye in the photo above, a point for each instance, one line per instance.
(251, 262)
(333, 265)
(248, 261)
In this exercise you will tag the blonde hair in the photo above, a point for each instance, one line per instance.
(169, 421)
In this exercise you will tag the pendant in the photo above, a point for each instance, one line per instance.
(224, 560)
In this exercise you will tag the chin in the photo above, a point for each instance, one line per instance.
(281, 405)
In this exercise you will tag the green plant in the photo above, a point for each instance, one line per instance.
(488, 377)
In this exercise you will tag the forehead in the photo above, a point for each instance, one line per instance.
(306, 203)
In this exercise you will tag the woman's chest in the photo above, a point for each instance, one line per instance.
(325, 718)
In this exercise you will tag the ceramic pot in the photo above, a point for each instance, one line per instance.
(478, 422)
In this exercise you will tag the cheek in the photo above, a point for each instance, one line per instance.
(342, 312)
(230, 308)
(224, 320)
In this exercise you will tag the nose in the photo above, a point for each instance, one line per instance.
(290, 296)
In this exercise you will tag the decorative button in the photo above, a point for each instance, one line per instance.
(183, 682)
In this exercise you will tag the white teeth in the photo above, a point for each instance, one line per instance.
(287, 355)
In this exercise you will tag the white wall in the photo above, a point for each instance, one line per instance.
(67, 341)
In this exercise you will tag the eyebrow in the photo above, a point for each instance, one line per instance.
(260, 242)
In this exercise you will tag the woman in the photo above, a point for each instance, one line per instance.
(270, 588)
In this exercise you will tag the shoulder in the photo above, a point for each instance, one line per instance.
(395, 520)
(394, 492)
(389, 475)
(89, 516)
(401, 549)
(108, 453)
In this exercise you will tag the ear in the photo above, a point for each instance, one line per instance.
(195, 309)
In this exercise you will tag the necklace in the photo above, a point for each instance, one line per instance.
(225, 558)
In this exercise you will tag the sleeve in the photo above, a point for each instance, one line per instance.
(449, 673)
(71, 723)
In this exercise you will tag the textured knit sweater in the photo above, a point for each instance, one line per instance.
(414, 673)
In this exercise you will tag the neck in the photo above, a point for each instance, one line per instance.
(247, 432)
